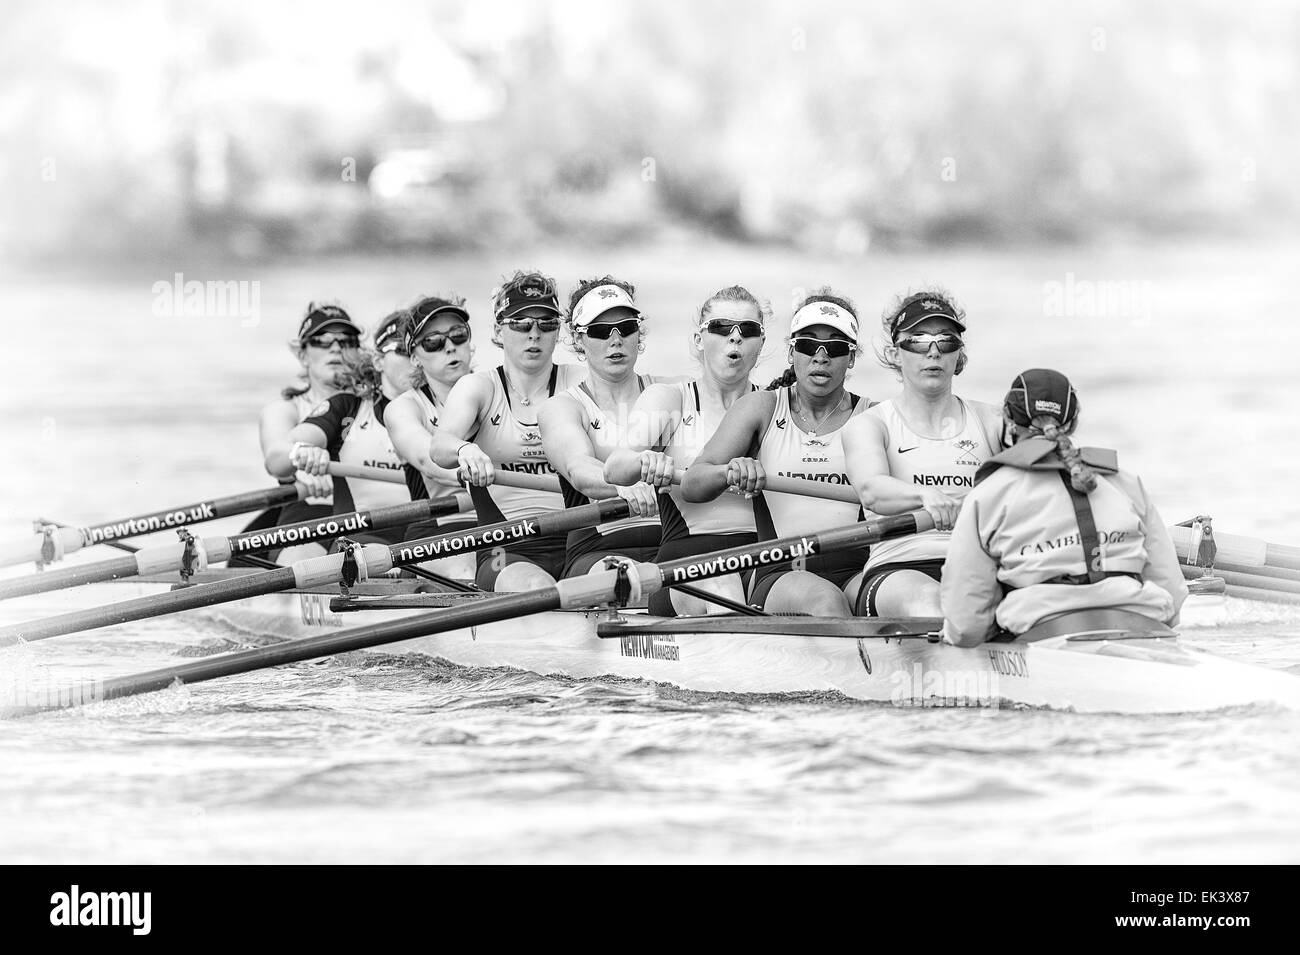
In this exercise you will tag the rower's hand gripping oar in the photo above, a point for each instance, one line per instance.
(354, 564)
(571, 593)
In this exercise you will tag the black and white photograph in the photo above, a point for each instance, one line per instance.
(537, 432)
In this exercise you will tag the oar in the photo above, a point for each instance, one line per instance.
(1241, 552)
(215, 550)
(783, 485)
(357, 471)
(572, 593)
(370, 560)
(56, 542)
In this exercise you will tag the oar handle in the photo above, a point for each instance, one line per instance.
(782, 485)
(362, 473)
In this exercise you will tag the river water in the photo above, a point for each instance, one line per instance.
(112, 406)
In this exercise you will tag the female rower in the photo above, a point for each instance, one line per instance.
(793, 430)
(489, 424)
(348, 427)
(1050, 528)
(326, 338)
(433, 344)
(919, 449)
(588, 421)
(670, 425)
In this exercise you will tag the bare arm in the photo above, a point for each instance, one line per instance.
(655, 415)
(277, 458)
(735, 440)
(466, 405)
(277, 420)
(866, 459)
(569, 450)
(409, 431)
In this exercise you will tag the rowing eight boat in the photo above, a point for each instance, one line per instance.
(1104, 662)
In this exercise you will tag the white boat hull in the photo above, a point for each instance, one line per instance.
(1147, 675)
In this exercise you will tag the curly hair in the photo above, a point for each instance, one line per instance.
(890, 315)
(502, 294)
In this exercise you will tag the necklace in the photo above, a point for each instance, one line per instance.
(523, 398)
(816, 423)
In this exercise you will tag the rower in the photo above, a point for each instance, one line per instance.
(793, 430)
(669, 426)
(348, 427)
(489, 423)
(432, 341)
(1050, 528)
(326, 337)
(582, 425)
(919, 449)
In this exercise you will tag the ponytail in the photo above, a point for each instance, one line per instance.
(1082, 477)
(784, 380)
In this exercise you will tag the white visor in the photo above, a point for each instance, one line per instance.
(825, 313)
(600, 300)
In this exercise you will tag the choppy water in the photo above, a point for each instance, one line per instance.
(365, 758)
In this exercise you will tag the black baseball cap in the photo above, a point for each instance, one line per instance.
(389, 328)
(533, 292)
(425, 311)
(326, 316)
(1041, 391)
(915, 312)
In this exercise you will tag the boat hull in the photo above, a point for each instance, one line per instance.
(782, 655)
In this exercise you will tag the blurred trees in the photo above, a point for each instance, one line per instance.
(149, 127)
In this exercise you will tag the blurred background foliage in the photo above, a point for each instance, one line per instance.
(142, 127)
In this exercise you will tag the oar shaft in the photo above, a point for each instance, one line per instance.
(362, 473)
(165, 558)
(378, 558)
(775, 483)
(73, 539)
(583, 591)
(503, 607)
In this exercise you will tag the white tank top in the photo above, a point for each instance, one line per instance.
(606, 433)
(728, 514)
(516, 445)
(431, 411)
(946, 463)
(787, 451)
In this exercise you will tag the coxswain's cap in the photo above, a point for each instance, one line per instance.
(1041, 391)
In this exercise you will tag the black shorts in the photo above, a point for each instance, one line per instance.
(635, 543)
(694, 545)
(865, 605)
(838, 568)
(545, 552)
